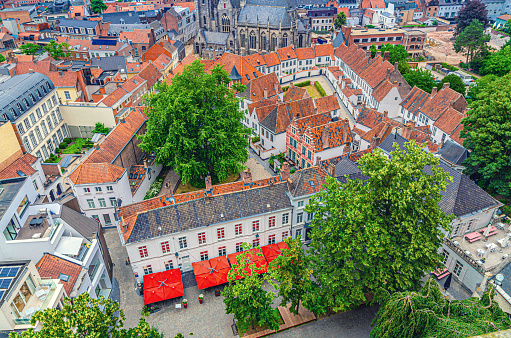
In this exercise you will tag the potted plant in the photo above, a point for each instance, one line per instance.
(185, 303)
(201, 298)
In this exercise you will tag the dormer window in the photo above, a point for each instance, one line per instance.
(19, 107)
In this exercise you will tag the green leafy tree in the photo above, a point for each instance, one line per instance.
(455, 83)
(472, 40)
(58, 50)
(340, 20)
(373, 50)
(487, 129)
(246, 298)
(498, 63)
(478, 86)
(397, 53)
(97, 6)
(30, 49)
(86, 317)
(100, 129)
(422, 78)
(381, 232)
(472, 9)
(194, 125)
(427, 313)
(403, 67)
(290, 269)
(2, 58)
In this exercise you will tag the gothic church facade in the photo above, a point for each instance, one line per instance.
(248, 26)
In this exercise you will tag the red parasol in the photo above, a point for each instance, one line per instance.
(163, 285)
(152, 280)
(200, 268)
(219, 263)
(173, 275)
(206, 280)
(174, 290)
(153, 295)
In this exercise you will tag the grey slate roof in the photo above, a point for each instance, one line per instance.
(453, 152)
(127, 17)
(506, 284)
(273, 3)
(208, 210)
(234, 75)
(387, 145)
(84, 225)
(270, 121)
(116, 29)
(20, 88)
(11, 188)
(216, 38)
(78, 23)
(253, 15)
(109, 63)
(338, 40)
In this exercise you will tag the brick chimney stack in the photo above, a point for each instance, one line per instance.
(385, 115)
(325, 137)
(386, 56)
(247, 176)
(265, 93)
(433, 92)
(331, 169)
(375, 141)
(209, 185)
(446, 85)
(318, 160)
(345, 131)
(285, 171)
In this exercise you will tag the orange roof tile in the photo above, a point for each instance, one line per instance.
(114, 97)
(323, 50)
(51, 266)
(89, 173)
(150, 74)
(256, 88)
(286, 53)
(449, 121)
(255, 60)
(369, 117)
(456, 135)
(330, 135)
(272, 59)
(22, 164)
(295, 93)
(327, 104)
(136, 36)
(117, 138)
(247, 71)
(135, 67)
(305, 53)
(271, 101)
(382, 90)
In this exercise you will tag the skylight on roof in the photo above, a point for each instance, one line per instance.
(21, 173)
(312, 183)
(63, 277)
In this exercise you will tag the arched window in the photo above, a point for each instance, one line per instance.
(26, 143)
(45, 130)
(38, 133)
(300, 41)
(242, 38)
(226, 24)
(253, 40)
(262, 42)
(273, 42)
(284, 40)
(32, 138)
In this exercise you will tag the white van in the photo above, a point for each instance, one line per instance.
(467, 78)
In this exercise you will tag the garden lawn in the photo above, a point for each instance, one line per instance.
(313, 92)
(73, 147)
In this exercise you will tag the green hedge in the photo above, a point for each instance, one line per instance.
(319, 88)
(154, 188)
(255, 139)
(450, 67)
(303, 84)
(284, 89)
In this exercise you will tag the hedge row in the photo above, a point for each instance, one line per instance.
(285, 88)
(303, 84)
(319, 88)
(450, 67)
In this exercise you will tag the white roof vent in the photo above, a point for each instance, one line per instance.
(267, 205)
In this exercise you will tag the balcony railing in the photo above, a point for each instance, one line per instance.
(95, 269)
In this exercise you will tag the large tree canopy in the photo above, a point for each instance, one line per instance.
(498, 63)
(428, 313)
(422, 78)
(381, 232)
(30, 49)
(58, 50)
(487, 129)
(340, 20)
(97, 6)
(455, 83)
(86, 318)
(472, 9)
(472, 41)
(194, 125)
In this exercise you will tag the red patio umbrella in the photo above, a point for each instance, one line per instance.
(174, 290)
(270, 251)
(219, 263)
(222, 275)
(282, 245)
(173, 275)
(206, 280)
(154, 295)
(153, 280)
(200, 268)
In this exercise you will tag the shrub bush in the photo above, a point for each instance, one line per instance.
(285, 88)
(255, 139)
(506, 209)
(292, 171)
(154, 188)
(303, 84)
(63, 145)
(450, 67)
(67, 140)
(319, 88)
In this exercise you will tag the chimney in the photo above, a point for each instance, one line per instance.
(285, 171)
(387, 75)
(276, 87)
(121, 120)
(247, 176)
(385, 115)
(96, 146)
(265, 93)
(291, 84)
(30, 70)
(396, 65)
(446, 85)
(433, 92)
(375, 141)
(209, 186)
(386, 56)
(331, 169)
(325, 137)
(318, 160)
(407, 131)
(102, 90)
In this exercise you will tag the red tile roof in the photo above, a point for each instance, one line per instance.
(89, 173)
(150, 74)
(117, 138)
(382, 90)
(305, 53)
(331, 135)
(247, 71)
(456, 135)
(369, 117)
(255, 60)
(22, 164)
(288, 111)
(324, 50)
(441, 101)
(304, 123)
(327, 104)
(271, 101)
(59, 79)
(372, 4)
(272, 59)
(295, 93)
(51, 266)
(135, 66)
(286, 53)
(256, 87)
(136, 36)
(449, 121)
